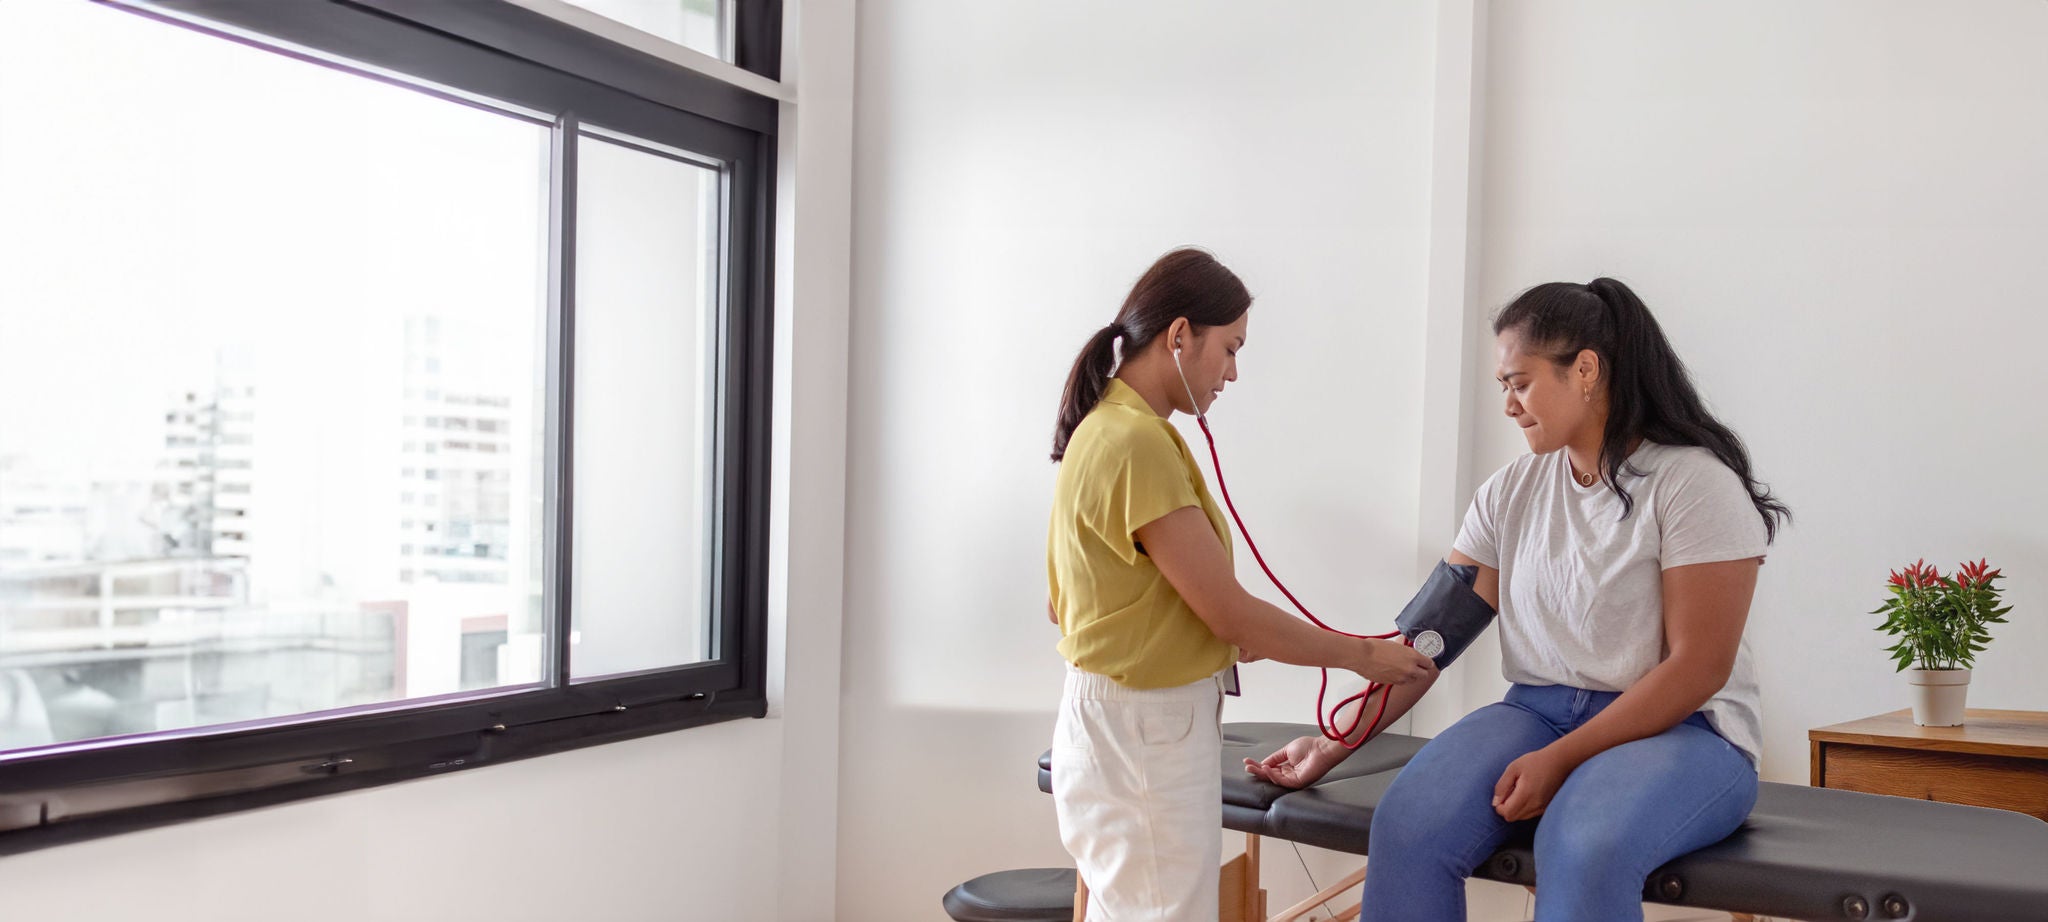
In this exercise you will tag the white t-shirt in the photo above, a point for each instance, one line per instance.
(1581, 588)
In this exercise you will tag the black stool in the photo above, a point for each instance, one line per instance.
(1024, 895)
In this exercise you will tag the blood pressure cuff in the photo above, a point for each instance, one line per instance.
(1448, 606)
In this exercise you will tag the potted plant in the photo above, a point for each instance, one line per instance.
(1942, 624)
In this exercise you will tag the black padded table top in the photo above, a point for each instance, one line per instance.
(1255, 741)
(1804, 853)
(1247, 801)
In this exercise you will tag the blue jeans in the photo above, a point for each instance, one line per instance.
(1618, 817)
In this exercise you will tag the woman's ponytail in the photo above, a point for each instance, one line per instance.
(1085, 385)
(1635, 344)
(1186, 282)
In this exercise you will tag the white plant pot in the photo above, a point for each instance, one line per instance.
(1939, 696)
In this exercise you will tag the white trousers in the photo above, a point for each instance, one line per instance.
(1139, 794)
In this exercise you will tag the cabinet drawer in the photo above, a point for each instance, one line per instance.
(1977, 780)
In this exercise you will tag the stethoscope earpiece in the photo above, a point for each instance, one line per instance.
(1200, 417)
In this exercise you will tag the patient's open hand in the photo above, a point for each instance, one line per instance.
(1300, 764)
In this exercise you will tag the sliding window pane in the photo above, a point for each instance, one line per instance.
(699, 25)
(645, 427)
(271, 341)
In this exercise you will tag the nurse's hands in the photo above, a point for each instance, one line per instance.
(1391, 663)
(1526, 787)
(1300, 764)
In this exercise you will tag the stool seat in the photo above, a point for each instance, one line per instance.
(1022, 895)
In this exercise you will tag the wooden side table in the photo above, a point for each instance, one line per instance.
(1996, 759)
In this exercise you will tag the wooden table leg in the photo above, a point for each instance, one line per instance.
(1238, 895)
(1254, 893)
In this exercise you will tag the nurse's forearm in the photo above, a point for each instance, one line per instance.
(1268, 632)
(1263, 628)
(1192, 559)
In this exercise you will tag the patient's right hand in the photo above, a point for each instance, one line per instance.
(1392, 663)
(1300, 764)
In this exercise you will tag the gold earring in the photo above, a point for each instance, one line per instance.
(1589, 395)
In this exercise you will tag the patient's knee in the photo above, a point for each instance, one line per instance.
(1410, 819)
(1583, 848)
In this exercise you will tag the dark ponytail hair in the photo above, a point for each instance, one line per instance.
(1187, 282)
(1649, 393)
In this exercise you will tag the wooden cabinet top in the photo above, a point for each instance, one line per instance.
(2017, 734)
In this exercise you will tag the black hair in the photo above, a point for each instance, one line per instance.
(1650, 395)
(1187, 282)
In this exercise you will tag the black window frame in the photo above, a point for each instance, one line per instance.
(86, 789)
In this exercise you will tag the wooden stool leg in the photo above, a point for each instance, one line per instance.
(1080, 898)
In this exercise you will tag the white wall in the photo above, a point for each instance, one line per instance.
(615, 832)
(732, 821)
(1830, 205)
(1837, 211)
(1017, 167)
(1814, 197)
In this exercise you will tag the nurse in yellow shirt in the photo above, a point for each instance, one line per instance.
(1138, 558)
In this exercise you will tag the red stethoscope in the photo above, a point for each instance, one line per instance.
(1327, 723)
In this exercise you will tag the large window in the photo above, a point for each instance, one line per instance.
(375, 399)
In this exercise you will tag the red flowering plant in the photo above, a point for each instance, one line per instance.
(1941, 620)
